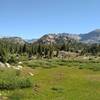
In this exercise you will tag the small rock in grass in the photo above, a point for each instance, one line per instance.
(8, 65)
(31, 74)
(20, 63)
(20, 67)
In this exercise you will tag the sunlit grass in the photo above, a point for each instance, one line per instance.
(65, 81)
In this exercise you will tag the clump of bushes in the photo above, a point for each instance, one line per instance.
(10, 80)
(13, 59)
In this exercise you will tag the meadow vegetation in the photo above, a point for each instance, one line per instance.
(52, 79)
(11, 79)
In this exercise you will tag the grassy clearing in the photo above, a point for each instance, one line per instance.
(66, 81)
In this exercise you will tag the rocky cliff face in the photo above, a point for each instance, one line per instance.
(56, 39)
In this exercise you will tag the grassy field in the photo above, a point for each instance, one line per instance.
(64, 80)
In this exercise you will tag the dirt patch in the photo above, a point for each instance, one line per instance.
(93, 77)
(28, 71)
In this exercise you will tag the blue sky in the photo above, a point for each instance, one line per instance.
(33, 18)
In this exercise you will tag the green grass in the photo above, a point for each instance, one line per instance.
(11, 79)
(50, 63)
(65, 81)
(62, 84)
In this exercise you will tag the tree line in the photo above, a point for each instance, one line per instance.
(10, 52)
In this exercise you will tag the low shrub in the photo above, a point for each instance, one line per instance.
(11, 79)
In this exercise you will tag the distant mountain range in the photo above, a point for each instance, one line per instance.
(59, 38)
(30, 40)
(91, 37)
(15, 40)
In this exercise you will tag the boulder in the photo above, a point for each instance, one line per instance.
(19, 66)
(7, 65)
(20, 63)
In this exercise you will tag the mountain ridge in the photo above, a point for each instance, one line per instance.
(90, 37)
(58, 38)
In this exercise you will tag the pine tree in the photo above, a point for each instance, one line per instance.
(3, 55)
(39, 51)
(63, 47)
(50, 51)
